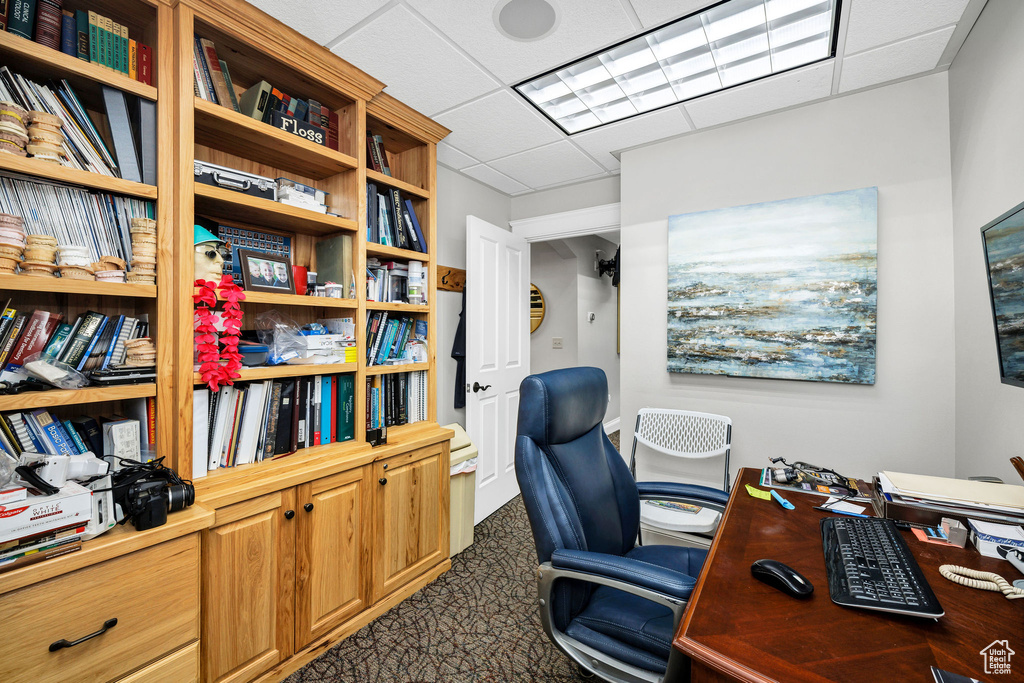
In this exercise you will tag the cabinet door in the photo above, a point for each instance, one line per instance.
(411, 518)
(248, 562)
(331, 553)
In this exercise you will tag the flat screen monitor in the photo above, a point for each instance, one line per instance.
(1004, 258)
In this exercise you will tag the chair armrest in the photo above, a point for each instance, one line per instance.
(644, 574)
(700, 495)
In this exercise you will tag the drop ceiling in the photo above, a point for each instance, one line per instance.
(447, 59)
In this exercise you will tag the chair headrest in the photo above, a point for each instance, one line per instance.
(574, 401)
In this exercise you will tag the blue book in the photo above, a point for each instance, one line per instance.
(55, 443)
(421, 242)
(75, 438)
(326, 409)
(92, 344)
(68, 34)
(385, 346)
(113, 342)
(374, 412)
(26, 432)
(67, 437)
(421, 329)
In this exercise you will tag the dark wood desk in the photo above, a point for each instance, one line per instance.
(737, 628)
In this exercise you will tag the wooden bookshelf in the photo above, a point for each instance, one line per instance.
(394, 253)
(31, 400)
(389, 181)
(49, 170)
(30, 58)
(228, 205)
(24, 283)
(392, 369)
(295, 300)
(279, 371)
(227, 130)
(396, 306)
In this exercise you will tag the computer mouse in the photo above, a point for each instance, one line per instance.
(782, 577)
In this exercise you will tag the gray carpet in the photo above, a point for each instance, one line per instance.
(476, 623)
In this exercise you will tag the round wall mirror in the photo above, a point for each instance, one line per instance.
(536, 308)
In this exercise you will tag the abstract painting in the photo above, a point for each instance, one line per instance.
(778, 290)
(1004, 252)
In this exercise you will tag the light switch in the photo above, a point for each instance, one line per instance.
(556, 342)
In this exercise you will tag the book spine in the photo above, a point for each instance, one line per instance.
(33, 558)
(334, 125)
(68, 34)
(22, 18)
(124, 49)
(12, 338)
(75, 438)
(82, 34)
(115, 46)
(133, 60)
(92, 343)
(77, 348)
(94, 37)
(204, 68)
(317, 405)
(231, 87)
(145, 64)
(212, 63)
(151, 420)
(107, 46)
(4, 11)
(48, 23)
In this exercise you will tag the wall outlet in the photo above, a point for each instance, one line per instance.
(556, 342)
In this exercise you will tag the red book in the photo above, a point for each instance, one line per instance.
(145, 64)
(48, 20)
(370, 158)
(332, 130)
(151, 420)
(325, 117)
(334, 408)
(38, 331)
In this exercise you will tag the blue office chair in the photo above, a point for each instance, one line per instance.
(610, 605)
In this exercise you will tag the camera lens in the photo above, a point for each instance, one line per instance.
(180, 496)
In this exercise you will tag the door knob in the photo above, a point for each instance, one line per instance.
(289, 514)
(480, 387)
(308, 507)
(382, 481)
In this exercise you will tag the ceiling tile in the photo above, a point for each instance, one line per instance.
(453, 158)
(898, 60)
(496, 126)
(878, 22)
(419, 67)
(768, 94)
(583, 26)
(601, 142)
(498, 181)
(556, 163)
(308, 16)
(655, 12)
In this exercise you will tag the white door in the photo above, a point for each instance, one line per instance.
(497, 355)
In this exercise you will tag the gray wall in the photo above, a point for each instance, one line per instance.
(457, 197)
(567, 198)
(555, 277)
(895, 138)
(986, 102)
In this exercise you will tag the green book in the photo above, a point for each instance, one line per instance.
(94, 38)
(115, 41)
(346, 407)
(253, 102)
(57, 341)
(22, 17)
(73, 434)
(82, 34)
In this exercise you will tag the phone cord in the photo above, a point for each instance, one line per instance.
(986, 581)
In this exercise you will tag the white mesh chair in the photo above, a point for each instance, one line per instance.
(682, 434)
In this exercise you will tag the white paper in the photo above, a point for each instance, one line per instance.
(832, 504)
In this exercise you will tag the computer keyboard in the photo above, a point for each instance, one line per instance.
(870, 566)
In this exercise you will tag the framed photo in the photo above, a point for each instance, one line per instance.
(263, 272)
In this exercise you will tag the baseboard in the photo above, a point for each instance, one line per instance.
(611, 426)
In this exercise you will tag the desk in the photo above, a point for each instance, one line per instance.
(737, 628)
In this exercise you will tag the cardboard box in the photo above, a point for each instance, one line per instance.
(39, 514)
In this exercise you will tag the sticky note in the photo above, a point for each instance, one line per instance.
(758, 493)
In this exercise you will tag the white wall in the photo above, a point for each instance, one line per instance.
(987, 142)
(566, 198)
(458, 196)
(895, 138)
(555, 277)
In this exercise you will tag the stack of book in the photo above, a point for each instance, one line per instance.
(386, 337)
(93, 342)
(257, 421)
(397, 399)
(391, 219)
(38, 431)
(387, 281)
(83, 33)
(376, 155)
(131, 121)
(37, 528)
(99, 221)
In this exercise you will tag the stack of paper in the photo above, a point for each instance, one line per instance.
(997, 502)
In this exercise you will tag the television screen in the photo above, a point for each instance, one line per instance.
(1004, 256)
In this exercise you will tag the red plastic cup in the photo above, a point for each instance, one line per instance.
(299, 275)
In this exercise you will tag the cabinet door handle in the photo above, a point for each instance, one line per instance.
(382, 481)
(288, 514)
(308, 507)
(60, 644)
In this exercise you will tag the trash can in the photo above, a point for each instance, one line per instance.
(463, 489)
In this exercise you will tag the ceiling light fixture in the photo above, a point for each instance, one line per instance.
(525, 20)
(729, 44)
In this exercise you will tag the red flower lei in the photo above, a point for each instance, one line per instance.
(218, 367)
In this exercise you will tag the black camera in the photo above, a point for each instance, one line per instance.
(146, 492)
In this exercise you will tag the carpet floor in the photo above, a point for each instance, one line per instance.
(478, 623)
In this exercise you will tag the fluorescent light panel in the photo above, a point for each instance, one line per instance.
(734, 42)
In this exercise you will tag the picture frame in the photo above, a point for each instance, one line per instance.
(263, 272)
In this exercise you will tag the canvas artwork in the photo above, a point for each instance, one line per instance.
(778, 290)
(1004, 252)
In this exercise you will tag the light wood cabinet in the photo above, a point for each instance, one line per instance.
(247, 587)
(410, 531)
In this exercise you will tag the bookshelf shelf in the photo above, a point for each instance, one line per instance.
(399, 307)
(23, 283)
(380, 250)
(52, 171)
(279, 371)
(381, 179)
(65, 397)
(235, 206)
(26, 56)
(228, 131)
(392, 369)
(296, 300)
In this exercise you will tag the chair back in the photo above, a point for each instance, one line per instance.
(684, 434)
(576, 488)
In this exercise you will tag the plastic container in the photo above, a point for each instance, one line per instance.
(416, 282)
(253, 354)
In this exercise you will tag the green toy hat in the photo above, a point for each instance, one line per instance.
(201, 235)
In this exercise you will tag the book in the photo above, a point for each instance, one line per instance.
(40, 556)
(94, 37)
(107, 24)
(346, 407)
(48, 23)
(33, 339)
(230, 86)
(212, 63)
(82, 34)
(68, 34)
(116, 106)
(115, 47)
(297, 412)
(89, 430)
(145, 64)
(52, 434)
(253, 102)
(283, 435)
(123, 38)
(101, 342)
(204, 70)
(4, 11)
(75, 437)
(333, 135)
(274, 410)
(421, 241)
(13, 332)
(93, 340)
(133, 59)
(22, 18)
(142, 120)
(325, 411)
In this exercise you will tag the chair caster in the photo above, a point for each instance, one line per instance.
(584, 673)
